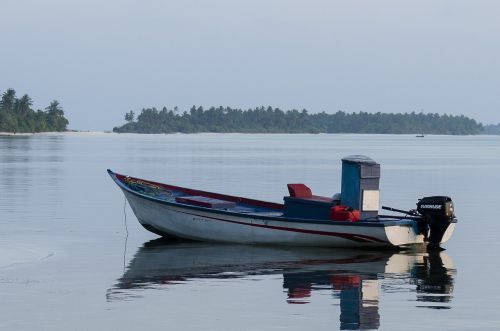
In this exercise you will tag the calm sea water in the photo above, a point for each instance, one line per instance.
(67, 263)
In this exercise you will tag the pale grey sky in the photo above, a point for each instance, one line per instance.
(103, 58)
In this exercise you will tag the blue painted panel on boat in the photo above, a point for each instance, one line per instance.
(350, 187)
(307, 208)
(359, 173)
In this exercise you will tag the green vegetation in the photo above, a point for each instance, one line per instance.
(492, 129)
(16, 115)
(274, 120)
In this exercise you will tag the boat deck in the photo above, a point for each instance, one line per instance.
(231, 204)
(204, 199)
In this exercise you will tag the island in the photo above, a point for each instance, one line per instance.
(492, 129)
(17, 116)
(275, 120)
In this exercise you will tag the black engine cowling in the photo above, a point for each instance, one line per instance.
(437, 213)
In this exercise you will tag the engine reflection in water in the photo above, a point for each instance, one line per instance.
(354, 277)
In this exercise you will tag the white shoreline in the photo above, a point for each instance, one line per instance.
(109, 133)
(53, 133)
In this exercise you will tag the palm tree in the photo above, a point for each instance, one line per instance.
(55, 109)
(8, 99)
(129, 117)
(55, 117)
(24, 103)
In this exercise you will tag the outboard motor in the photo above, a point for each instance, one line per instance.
(437, 213)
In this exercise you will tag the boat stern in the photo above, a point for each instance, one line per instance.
(409, 234)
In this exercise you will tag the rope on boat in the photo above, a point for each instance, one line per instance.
(125, 214)
(148, 188)
(126, 231)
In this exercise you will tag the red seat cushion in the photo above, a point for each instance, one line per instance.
(299, 191)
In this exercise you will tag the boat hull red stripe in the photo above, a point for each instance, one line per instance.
(354, 237)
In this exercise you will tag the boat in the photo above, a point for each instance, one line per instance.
(350, 218)
(420, 135)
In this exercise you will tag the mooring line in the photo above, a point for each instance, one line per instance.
(126, 231)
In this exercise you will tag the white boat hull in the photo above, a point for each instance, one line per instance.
(205, 225)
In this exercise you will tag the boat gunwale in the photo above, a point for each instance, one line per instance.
(378, 223)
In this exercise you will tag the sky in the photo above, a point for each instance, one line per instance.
(100, 59)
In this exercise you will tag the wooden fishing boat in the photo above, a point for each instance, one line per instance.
(351, 220)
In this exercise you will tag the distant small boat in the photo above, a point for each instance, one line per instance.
(420, 135)
(303, 220)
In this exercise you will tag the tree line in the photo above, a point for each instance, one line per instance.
(492, 129)
(275, 120)
(16, 115)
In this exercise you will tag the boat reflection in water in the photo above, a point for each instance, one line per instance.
(355, 277)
